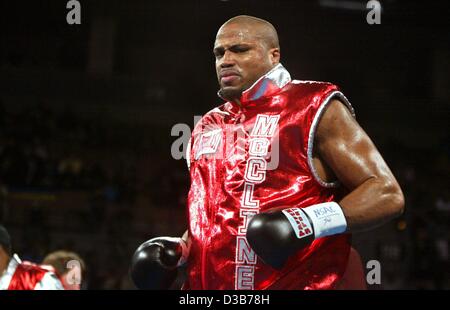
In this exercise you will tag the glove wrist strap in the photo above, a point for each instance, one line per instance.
(327, 219)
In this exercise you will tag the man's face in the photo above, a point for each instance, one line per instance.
(241, 58)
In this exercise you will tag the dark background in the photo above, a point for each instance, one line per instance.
(86, 113)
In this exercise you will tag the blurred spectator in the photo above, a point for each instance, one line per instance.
(68, 266)
(16, 274)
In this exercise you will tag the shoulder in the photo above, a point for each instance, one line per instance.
(217, 112)
(48, 278)
(26, 265)
(212, 118)
(316, 95)
(312, 86)
(49, 281)
(36, 269)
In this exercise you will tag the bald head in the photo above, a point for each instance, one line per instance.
(260, 28)
(245, 49)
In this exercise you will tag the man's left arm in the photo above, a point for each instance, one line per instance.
(375, 196)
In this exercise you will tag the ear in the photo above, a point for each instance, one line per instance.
(274, 55)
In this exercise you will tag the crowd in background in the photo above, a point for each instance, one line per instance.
(126, 191)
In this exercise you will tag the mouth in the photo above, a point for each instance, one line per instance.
(228, 77)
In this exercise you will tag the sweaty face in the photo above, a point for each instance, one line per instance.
(241, 59)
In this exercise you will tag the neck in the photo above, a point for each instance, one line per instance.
(236, 98)
(238, 102)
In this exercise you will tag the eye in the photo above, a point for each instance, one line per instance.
(239, 49)
(218, 53)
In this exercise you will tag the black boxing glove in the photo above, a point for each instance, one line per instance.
(155, 262)
(275, 236)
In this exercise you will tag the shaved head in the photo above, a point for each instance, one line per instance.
(245, 49)
(264, 30)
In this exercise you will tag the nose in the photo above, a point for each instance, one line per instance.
(227, 60)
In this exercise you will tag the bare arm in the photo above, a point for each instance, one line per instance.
(375, 196)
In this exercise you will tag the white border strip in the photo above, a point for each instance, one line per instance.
(312, 132)
(188, 154)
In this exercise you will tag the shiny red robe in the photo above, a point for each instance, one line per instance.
(255, 158)
(26, 277)
(23, 275)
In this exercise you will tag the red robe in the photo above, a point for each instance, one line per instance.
(28, 276)
(254, 158)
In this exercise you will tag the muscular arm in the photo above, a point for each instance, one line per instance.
(342, 148)
(375, 196)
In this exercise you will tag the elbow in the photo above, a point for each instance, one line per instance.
(395, 200)
(398, 202)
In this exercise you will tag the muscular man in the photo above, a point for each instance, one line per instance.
(281, 175)
(20, 275)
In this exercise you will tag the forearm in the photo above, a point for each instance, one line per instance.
(371, 204)
(375, 196)
(275, 236)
